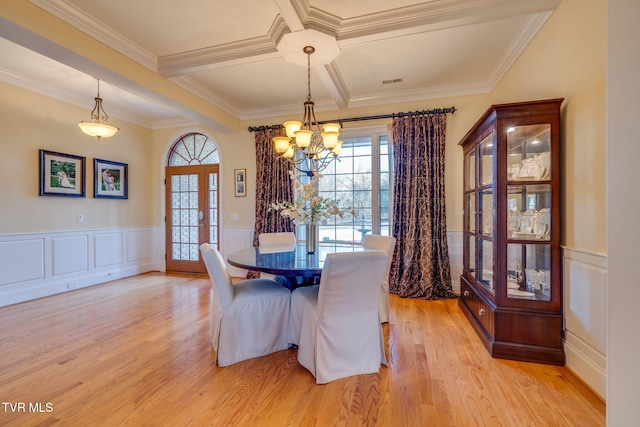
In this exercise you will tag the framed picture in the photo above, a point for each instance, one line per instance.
(240, 182)
(110, 179)
(61, 174)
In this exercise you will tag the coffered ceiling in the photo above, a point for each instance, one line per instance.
(245, 56)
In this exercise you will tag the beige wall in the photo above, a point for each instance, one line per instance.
(30, 122)
(567, 59)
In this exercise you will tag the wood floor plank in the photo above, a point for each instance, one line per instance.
(137, 352)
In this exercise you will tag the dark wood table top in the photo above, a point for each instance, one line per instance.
(287, 261)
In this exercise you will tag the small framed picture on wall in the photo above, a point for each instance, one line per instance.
(110, 179)
(61, 174)
(241, 182)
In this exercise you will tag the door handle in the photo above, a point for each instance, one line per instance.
(200, 215)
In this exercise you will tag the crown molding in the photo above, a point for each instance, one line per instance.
(172, 123)
(433, 16)
(96, 29)
(399, 97)
(527, 32)
(242, 51)
(189, 84)
(334, 83)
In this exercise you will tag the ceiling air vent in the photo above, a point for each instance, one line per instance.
(391, 81)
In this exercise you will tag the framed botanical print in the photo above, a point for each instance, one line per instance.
(240, 182)
(110, 179)
(61, 174)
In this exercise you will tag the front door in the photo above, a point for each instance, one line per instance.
(192, 215)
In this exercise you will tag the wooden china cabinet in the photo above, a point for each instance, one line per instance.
(511, 285)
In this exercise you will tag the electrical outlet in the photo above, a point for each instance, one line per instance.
(72, 285)
(235, 217)
(80, 218)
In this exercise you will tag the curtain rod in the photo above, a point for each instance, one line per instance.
(448, 110)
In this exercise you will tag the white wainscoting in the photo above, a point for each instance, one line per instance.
(234, 239)
(36, 265)
(585, 317)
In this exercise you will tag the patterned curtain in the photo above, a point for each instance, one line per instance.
(420, 266)
(273, 184)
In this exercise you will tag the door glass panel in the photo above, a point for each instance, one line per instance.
(213, 208)
(529, 271)
(529, 152)
(184, 213)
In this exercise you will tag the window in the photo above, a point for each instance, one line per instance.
(193, 149)
(359, 178)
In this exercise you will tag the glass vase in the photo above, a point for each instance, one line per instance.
(312, 238)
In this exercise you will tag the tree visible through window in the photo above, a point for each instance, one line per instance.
(360, 179)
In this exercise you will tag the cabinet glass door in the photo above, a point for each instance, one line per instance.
(470, 170)
(529, 212)
(485, 264)
(470, 209)
(485, 151)
(529, 153)
(529, 271)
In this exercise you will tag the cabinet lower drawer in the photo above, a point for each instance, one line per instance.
(481, 311)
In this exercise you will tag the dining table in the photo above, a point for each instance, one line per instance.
(290, 261)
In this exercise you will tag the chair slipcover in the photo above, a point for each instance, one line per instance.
(248, 318)
(387, 244)
(277, 239)
(336, 324)
(276, 242)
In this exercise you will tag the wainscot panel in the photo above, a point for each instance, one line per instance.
(21, 260)
(108, 249)
(585, 282)
(70, 254)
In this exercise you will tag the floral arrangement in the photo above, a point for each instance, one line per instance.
(308, 207)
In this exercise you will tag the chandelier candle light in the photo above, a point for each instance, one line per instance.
(307, 147)
(98, 126)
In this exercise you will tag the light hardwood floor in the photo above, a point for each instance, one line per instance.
(136, 352)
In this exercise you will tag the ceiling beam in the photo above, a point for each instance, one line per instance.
(30, 26)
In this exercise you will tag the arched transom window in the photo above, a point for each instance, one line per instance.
(193, 149)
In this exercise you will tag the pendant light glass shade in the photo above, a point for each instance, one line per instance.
(98, 126)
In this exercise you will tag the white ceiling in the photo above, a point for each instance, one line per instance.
(245, 56)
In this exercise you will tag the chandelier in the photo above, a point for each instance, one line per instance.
(98, 126)
(307, 147)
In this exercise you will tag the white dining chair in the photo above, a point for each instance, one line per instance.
(386, 244)
(248, 318)
(335, 324)
(277, 239)
(276, 242)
